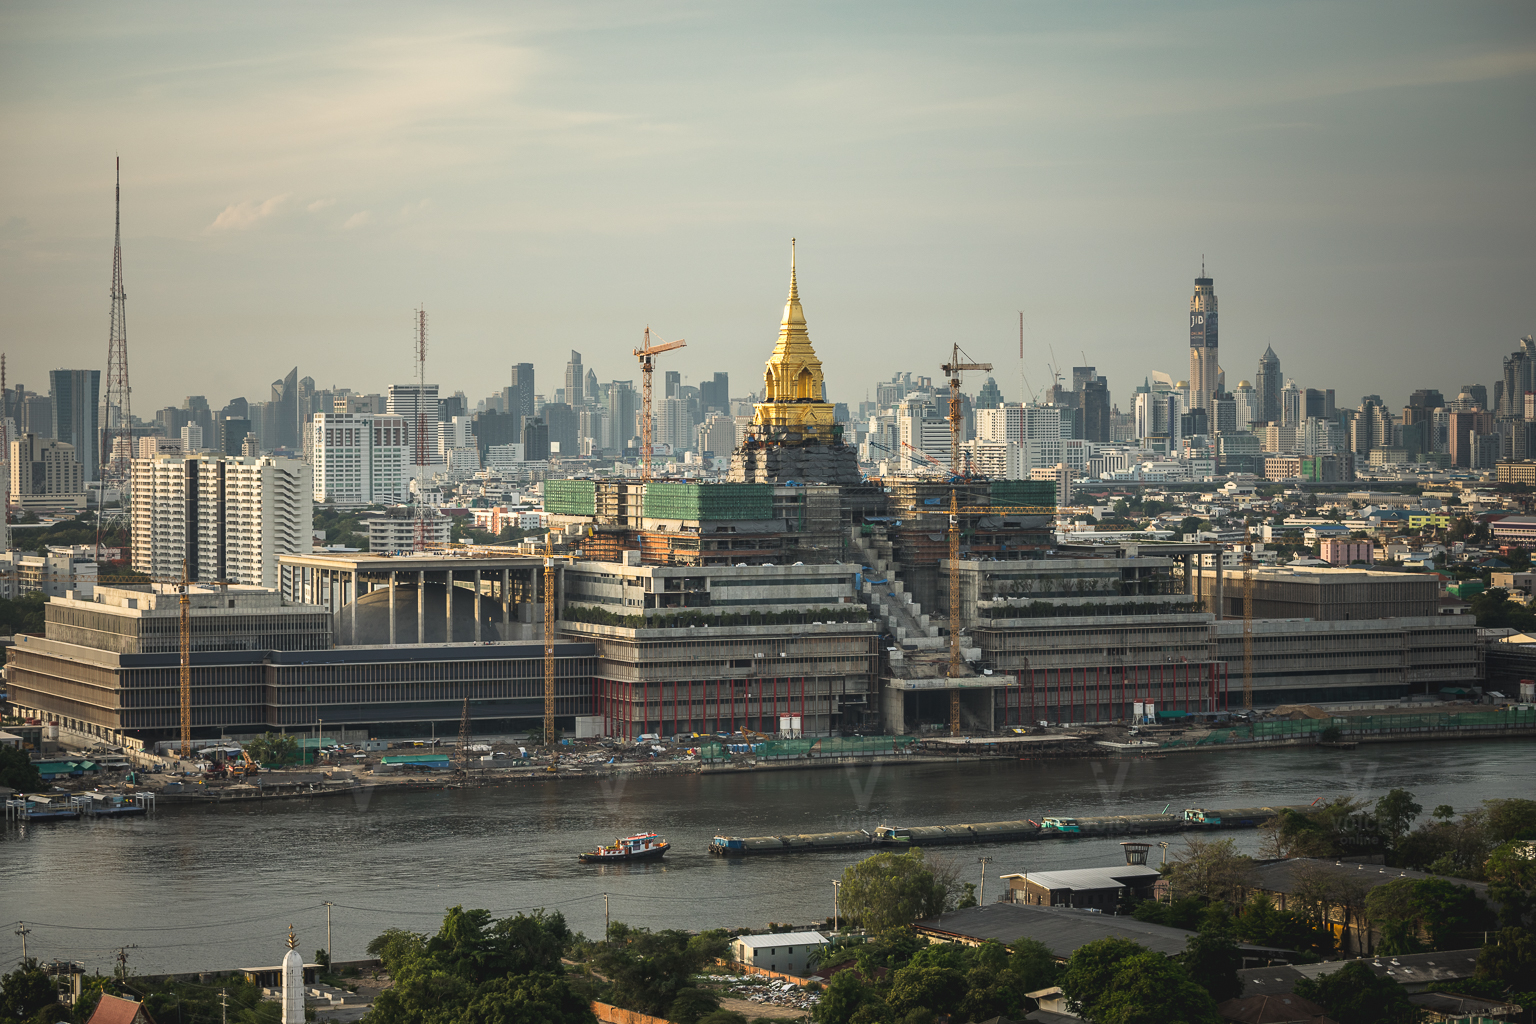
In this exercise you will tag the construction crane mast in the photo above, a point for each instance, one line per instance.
(186, 663)
(646, 354)
(952, 370)
(549, 651)
(1247, 619)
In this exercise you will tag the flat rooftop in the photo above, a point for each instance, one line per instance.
(365, 562)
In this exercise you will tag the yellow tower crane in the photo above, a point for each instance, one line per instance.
(953, 369)
(1247, 619)
(647, 354)
(186, 664)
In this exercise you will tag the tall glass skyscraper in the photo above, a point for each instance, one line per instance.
(76, 399)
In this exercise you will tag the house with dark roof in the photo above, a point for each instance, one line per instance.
(1063, 929)
(1416, 972)
(1290, 884)
(1280, 1009)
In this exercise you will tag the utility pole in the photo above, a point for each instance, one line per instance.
(837, 893)
(23, 931)
(224, 1005)
(606, 924)
(328, 954)
(981, 897)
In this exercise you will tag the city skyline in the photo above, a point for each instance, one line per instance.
(308, 199)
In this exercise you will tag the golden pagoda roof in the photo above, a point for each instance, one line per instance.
(794, 349)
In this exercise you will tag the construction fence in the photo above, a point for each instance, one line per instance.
(825, 747)
(1376, 725)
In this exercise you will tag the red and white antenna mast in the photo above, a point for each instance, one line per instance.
(116, 409)
(119, 415)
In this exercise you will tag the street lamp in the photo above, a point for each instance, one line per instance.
(837, 891)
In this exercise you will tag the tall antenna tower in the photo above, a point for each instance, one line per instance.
(119, 416)
(419, 448)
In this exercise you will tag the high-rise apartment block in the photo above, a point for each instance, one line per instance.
(229, 519)
(76, 396)
(1202, 343)
(360, 460)
(45, 474)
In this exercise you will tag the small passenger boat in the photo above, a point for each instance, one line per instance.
(645, 846)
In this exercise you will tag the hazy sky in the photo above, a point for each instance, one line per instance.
(298, 177)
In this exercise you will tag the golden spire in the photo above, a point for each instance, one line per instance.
(794, 403)
(293, 942)
(793, 314)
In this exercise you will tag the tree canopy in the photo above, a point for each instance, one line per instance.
(18, 772)
(891, 890)
(1116, 981)
(1420, 914)
(1355, 995)
(479, 970)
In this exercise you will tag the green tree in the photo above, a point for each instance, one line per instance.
(18, 772)
(1263, 925)
(1355, 995)
(649, 970)
(1395, 814)
(273, 748)
(476, 969)
(691, 1004)
(844, 995)
(1509, 960)
(25, 991)
(1209, 868)
(1116, 981)
(23, 614)
(1511, 873)
(891, 890)
(1508, 819)
(1212, 959)
(1413, 911)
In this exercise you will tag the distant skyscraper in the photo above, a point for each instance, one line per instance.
(990, 396)
(1247, 401)
(1202, 343)
(1267, 385)
(522, 386)
(284, 432)
(714, 395)
(575, 382)
(76, 395)
(419, 410)
(1292, 407)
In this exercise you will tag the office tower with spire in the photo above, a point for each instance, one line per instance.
(1202, 343)
(1267, 384)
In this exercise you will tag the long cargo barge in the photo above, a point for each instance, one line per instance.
(1193, 819)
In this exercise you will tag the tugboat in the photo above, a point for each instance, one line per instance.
(645, 846)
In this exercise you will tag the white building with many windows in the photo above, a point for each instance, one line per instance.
(419, 407)
(360, 459)
(228, 518)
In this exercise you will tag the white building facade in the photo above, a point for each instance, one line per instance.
(360, 459)
(228, 518)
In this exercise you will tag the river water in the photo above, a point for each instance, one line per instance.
(204, 889)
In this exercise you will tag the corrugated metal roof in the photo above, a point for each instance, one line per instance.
(782, 939)
(1090, 878)
(1061, 929)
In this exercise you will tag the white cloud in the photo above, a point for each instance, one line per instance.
(239, 216)
(320, 204)
(357, 220)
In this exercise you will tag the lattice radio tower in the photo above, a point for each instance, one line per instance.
(119, 416)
